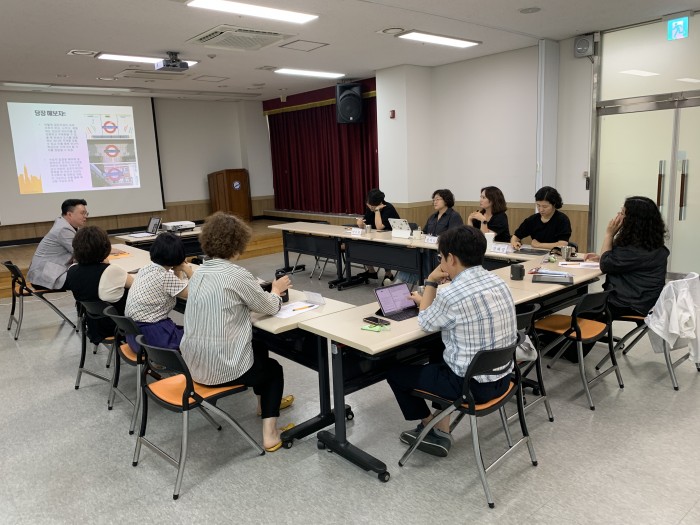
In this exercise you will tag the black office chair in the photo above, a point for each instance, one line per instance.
(94, 310)
(21, 289)
(525, 317)
(579, 330)
(179, 393)
(484, 362)
(126, 326)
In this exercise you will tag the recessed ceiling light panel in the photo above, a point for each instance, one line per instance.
(639, 73)
(429, 38)
(307, 73)
(253, 10)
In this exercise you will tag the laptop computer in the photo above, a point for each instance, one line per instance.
(399, 224)
(151, 229)
(395, 302)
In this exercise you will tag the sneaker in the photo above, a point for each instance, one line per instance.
(388, 279)
(436, 443)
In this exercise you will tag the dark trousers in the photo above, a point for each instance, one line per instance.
(267, 379)
(438, 379)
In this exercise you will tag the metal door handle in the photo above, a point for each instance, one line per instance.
(660, 184)
(683, 201)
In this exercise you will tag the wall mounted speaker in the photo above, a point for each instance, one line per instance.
(348, 103)
(583, 46)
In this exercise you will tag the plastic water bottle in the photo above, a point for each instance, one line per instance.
(417, 233)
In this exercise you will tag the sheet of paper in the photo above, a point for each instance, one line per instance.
(314, 298)
(587, 264)
(295, 308)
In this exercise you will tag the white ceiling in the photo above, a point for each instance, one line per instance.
(36, 35)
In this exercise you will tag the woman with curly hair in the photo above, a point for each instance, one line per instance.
(218, 344)
(548, 228)
(633, 257)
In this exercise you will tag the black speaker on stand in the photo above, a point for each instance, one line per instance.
(348, 103)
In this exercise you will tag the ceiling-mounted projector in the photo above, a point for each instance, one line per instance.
(172, 64)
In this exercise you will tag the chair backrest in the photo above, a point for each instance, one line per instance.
(173, 361)
(490, 362)
(592, 303)
(125, 325)
(17, 276)
(525, 315)
(94, 309)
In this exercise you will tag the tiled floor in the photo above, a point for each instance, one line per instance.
(64, 458)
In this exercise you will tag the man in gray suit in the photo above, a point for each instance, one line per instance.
(54, 254)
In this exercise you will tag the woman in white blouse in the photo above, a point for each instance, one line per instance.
(218, 344)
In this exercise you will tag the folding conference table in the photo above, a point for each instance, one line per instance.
(345, 340)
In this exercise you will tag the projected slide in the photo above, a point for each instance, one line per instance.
(73, 148)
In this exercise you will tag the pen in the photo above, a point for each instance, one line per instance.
(302, 308)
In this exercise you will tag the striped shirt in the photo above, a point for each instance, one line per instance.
(218, 332)
(475, 312)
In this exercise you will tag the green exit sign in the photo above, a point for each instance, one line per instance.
(677, 28)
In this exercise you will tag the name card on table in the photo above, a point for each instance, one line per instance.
(431, 239)
(357, 231)
(500, 247)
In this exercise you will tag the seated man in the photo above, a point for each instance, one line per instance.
(54, 254)
(474, 312)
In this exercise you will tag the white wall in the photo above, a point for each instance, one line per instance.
(460, 126)
(196, 138)
(392, 134)
(574, 124)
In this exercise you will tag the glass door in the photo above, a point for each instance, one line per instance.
(684, 220)
(634, 158)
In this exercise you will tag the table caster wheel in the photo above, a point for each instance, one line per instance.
(349, 415)
(320, 445)
(287, 444)
(384, 477)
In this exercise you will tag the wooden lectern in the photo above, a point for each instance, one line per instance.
(229, 191)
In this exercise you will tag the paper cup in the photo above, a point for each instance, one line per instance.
(490, 236)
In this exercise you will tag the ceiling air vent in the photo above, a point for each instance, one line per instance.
(238, 38)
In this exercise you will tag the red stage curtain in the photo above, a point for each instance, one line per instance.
(322, 166)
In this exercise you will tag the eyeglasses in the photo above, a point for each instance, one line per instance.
(439, 256)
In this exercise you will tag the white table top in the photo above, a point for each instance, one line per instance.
(275, 325)
(136, 258)
(129, 239)
(346, 327)
(344, 232)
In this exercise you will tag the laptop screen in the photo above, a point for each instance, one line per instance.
(394, 298)
(153, 225)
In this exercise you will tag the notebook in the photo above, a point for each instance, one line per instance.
(151, 229)
(395, 302)
(553, 278)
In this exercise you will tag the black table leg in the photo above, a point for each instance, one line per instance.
(326, 415)
(337, 442)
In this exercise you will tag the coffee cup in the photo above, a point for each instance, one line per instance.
(368, 229)
(490, 236)
(567, 252)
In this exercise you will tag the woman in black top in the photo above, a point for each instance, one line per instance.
(444, 218)
(633, 257)
(377, 216)
(491, 216)
(94, 279)
(549, 228)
